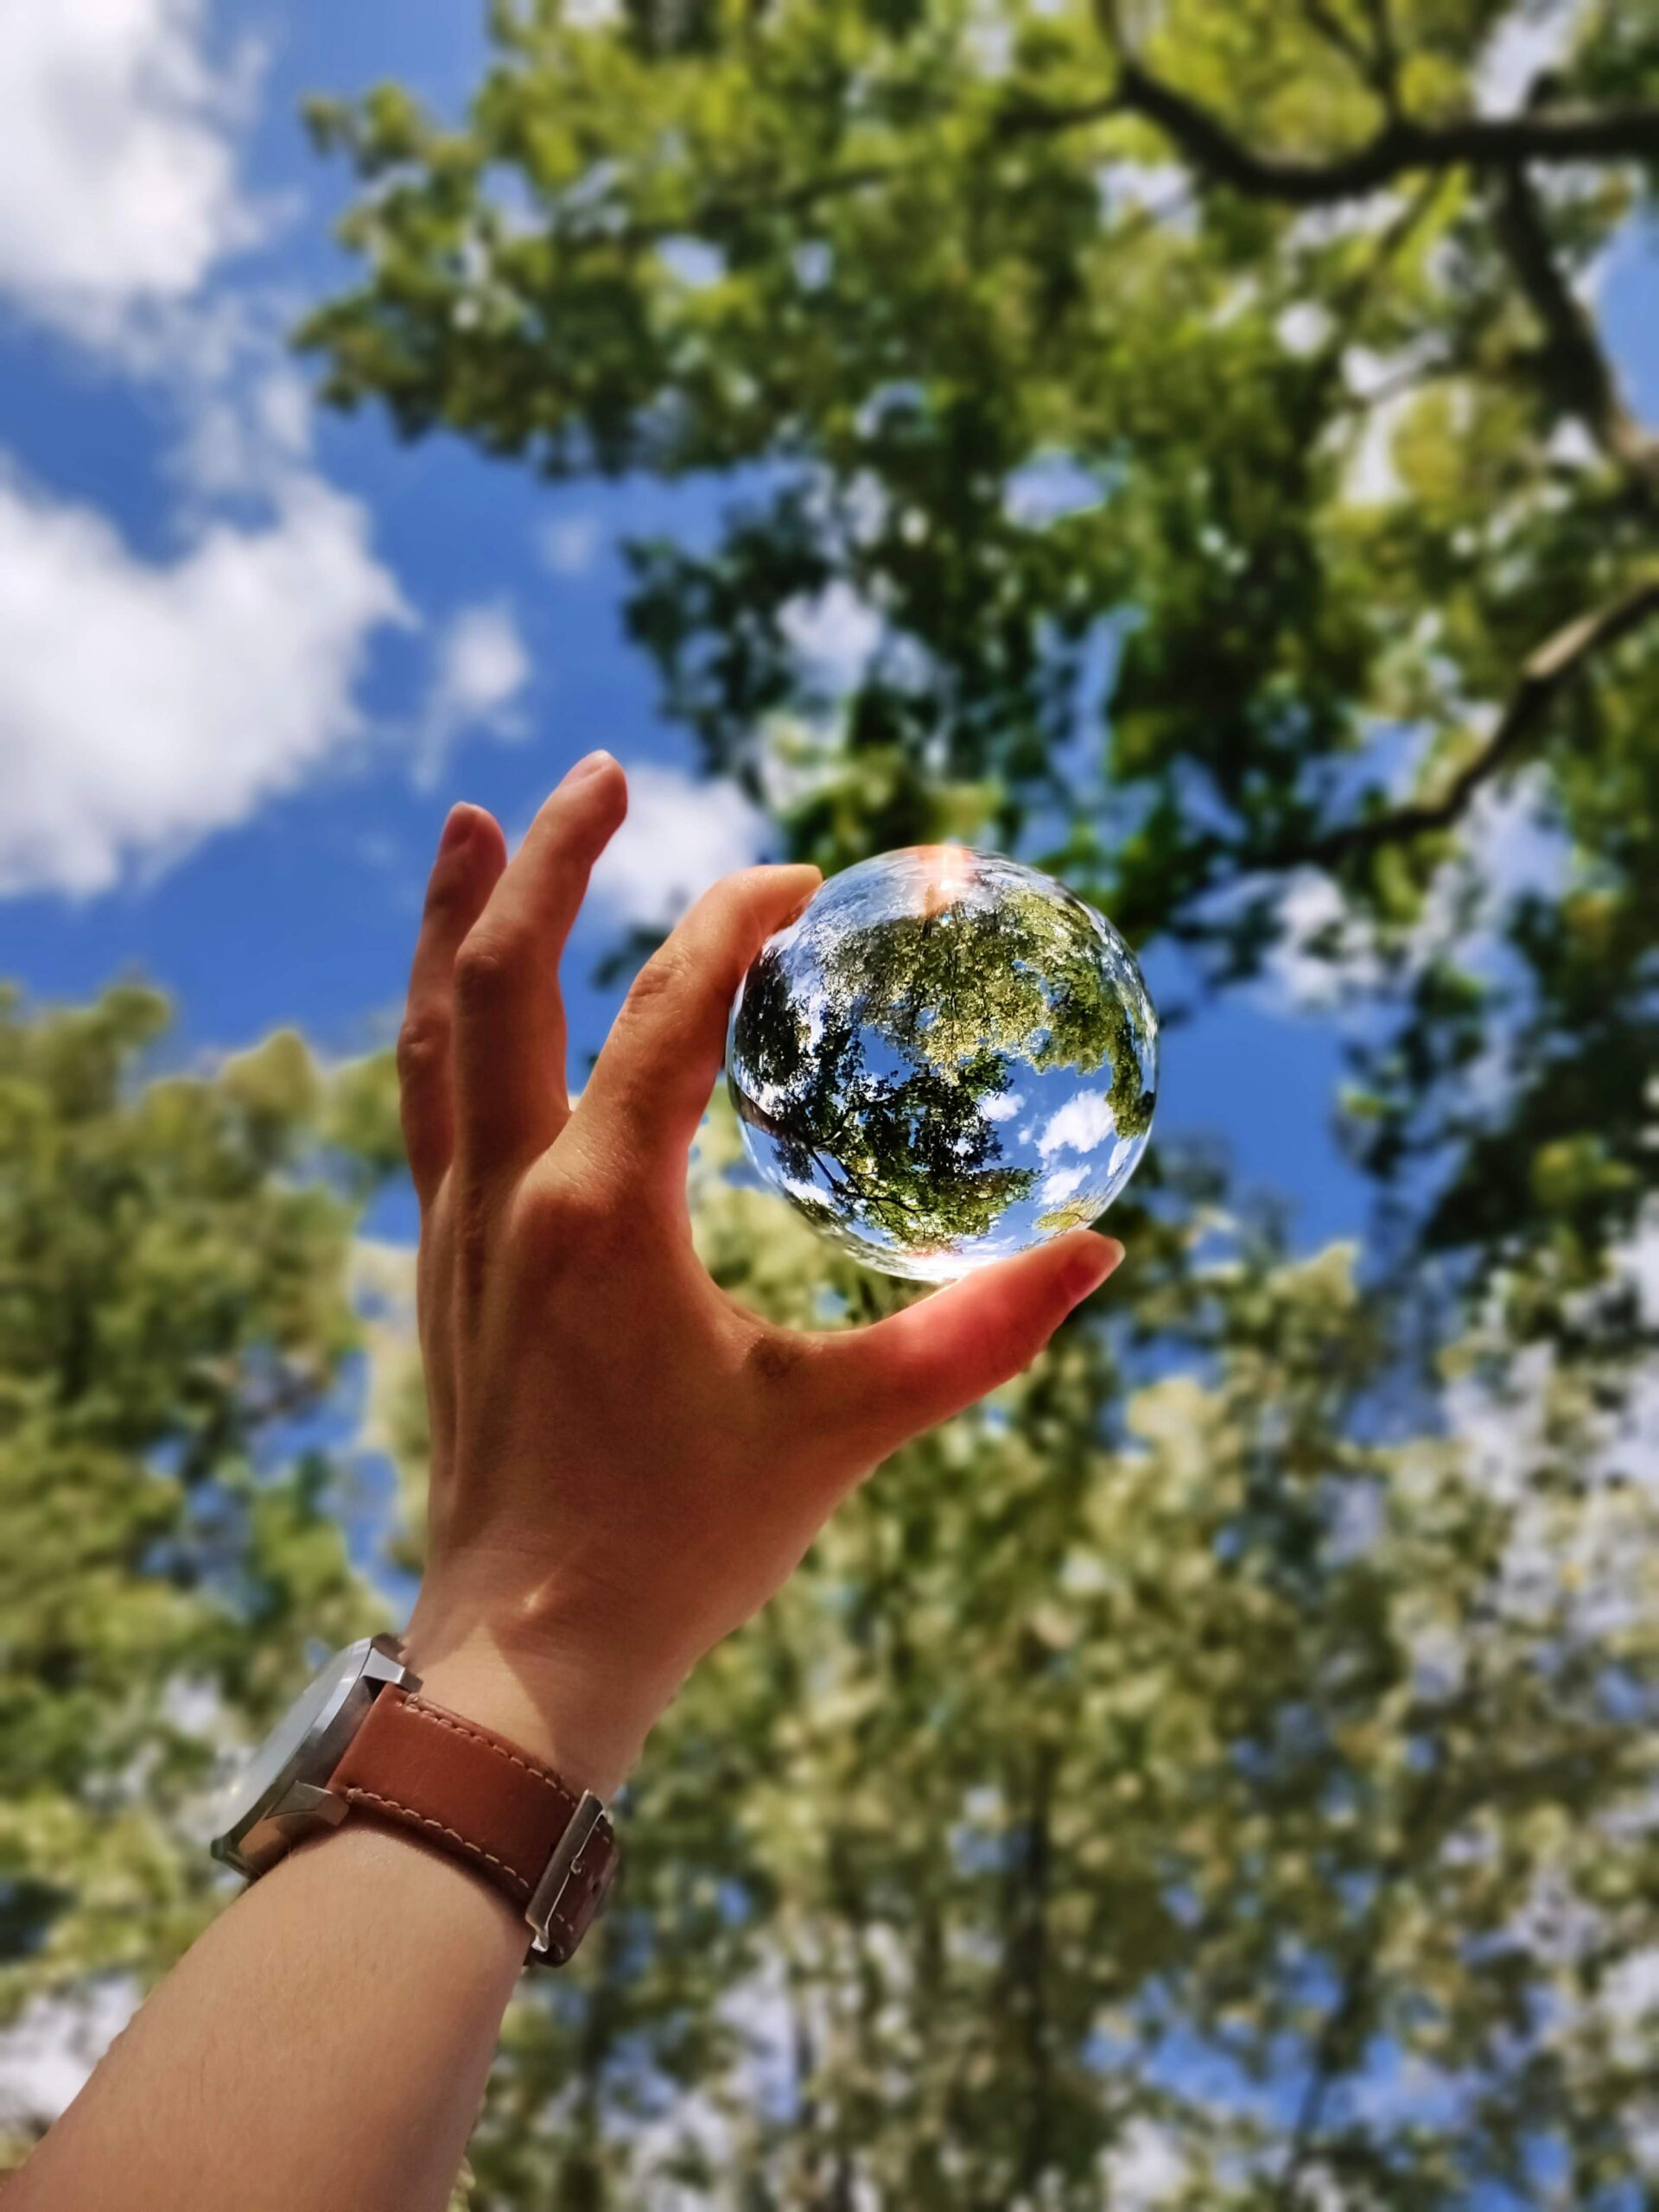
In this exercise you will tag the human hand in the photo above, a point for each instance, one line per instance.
(626, 1464)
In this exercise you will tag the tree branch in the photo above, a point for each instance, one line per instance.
(1555, 134)
(1031, 118)
(1546, 673)
(1402, 147)
(1577, 371)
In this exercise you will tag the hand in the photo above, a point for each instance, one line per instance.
(626, 1464)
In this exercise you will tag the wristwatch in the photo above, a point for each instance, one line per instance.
(362, 1742)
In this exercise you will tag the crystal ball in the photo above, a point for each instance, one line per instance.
(946, 1058)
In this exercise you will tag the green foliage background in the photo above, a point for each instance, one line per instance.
(1221, 1771)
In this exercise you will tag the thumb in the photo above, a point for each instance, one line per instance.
(887, 1383)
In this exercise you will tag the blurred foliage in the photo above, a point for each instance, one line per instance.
(175, 1324)
(1221, 1771)
(1183, 1769)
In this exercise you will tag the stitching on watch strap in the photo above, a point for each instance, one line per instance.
(440, 1718)
(358, 1795)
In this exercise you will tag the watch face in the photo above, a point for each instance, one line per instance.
(315, 1703)
(261, 1814)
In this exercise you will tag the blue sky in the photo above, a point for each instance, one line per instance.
(250, 652)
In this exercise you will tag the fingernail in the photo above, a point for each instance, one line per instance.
(588, 766)
(803, 902)
(456, 829)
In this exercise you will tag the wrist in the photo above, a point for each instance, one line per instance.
(585, 1720)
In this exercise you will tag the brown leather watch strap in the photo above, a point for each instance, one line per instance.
(413, 1765)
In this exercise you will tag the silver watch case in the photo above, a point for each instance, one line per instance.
(282, 1797)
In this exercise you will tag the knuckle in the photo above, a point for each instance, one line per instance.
(486, 967)
(659, 980)
(422, 1045)
(569, 1222)
(728, 914)
(473, 1245)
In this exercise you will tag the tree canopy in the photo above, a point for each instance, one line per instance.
(1243, 348)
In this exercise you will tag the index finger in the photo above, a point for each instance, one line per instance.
(510, 1100)
(652, 1080)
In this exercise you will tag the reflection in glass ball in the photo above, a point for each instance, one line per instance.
(948, 1057)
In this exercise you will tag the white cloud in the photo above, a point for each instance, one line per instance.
(1081, 1124)
(990, 40)
(1532, 38)
(1329, 954)
(1571, 446)
(1003, 1107)
(681, 836)
(246, 438)
(1385, 384)
(1638, 1259)
(1372, 479)
(835, 633)
(1062, 1183)
(1319, 227)
(118, 185)
(568, 542)
(482, 666)
(1325, 953)
(146, 702)
(142, 705)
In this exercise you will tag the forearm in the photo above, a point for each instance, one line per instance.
(325, 2044)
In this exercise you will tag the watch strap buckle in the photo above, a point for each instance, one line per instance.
(557, 1943)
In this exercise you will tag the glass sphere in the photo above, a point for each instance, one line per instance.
(948, 1057)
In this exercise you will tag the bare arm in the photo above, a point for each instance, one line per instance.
(324, 2044)
(625, 1466)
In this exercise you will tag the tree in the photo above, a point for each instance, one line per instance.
(176, 1322)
